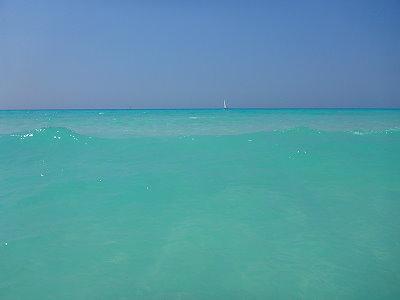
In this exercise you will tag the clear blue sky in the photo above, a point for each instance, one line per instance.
(166, 54)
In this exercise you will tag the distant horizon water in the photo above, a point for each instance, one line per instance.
(204, 108)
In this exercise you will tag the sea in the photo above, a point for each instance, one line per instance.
(200, 204)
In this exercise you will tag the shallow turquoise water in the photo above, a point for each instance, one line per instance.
(238, 204)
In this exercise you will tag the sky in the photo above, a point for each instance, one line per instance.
(193, 54)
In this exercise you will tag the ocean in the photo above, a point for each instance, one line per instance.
(200, 204)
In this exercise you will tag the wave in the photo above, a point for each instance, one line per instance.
(66, 145)
(67, 134)
(53, 133)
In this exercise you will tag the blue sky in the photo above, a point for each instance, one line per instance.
(167, 54)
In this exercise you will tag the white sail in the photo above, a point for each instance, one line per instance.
(225, 107)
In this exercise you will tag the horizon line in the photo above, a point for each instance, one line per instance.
(206, 108)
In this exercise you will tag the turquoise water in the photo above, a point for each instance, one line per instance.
(200, 204)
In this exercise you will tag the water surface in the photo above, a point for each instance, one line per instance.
(200, 204)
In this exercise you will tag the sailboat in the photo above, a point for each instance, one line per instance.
(225, 106)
